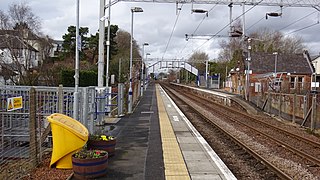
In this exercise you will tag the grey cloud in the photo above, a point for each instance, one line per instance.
(155, 24)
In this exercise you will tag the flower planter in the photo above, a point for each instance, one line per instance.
(109, 145)
(89, 168)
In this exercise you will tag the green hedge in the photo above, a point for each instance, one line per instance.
(87, 78)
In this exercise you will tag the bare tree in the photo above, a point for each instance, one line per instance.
(123, 52)
(198, 59)
(263, 40)
(4, 20)
(172, 75)
(22, 15)
(266, 40)
(24, 47)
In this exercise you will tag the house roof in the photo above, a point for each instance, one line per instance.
(14, 40)
(316, 58)
(23, 33)
(262, 63)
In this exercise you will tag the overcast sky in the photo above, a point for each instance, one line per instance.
(155, 24)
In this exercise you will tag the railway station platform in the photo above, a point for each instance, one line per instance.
(224, 95)
(157, 141)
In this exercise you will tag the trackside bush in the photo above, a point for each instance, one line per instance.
(87, 78)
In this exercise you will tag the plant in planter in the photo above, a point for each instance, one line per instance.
(88, 164)
(102, 142)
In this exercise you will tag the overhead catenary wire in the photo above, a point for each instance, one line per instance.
(204, 17)
(263, 18)
(286, 25)
(174, 26)
(227, 25)
(297, 21)
(281, 9)
(290, 23)
(306, 27)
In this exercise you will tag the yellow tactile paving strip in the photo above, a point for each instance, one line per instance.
(175, 167)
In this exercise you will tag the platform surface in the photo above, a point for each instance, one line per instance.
(157, 141)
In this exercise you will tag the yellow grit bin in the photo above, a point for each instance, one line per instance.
(68, 136)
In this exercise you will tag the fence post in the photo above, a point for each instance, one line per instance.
(85, 108)
(257, 101)
(60, 99)
(280, 104)
(294, 107)
(33, 127)
(305, 108)
(269, 102)
(314, 112)
(120, 99)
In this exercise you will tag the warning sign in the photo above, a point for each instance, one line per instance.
(14, 103)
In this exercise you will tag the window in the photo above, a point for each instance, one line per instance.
(292, 82)
(257, 87)
(296, 82)
(301, 81)
(18, 53)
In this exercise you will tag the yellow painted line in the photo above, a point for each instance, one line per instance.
(175, 167)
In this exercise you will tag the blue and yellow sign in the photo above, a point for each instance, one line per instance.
(14, 103)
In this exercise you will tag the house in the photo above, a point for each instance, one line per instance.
(57, 48)
(316, 65)
(276, 72)
(17, 55)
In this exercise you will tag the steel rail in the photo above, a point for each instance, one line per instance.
(283, 144)
(312, 142)
(269, 165)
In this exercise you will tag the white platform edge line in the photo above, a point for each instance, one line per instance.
(216, 159)
(207, 91)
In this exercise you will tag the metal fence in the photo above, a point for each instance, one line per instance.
(24, 132)
(301, 109)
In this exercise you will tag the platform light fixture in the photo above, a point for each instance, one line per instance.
(200, 11)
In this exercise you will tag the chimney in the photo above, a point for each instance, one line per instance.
(25, 33)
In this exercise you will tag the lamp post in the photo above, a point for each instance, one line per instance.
(108, 46)
(248, 70)
(315, 76)
(238, 73)
(145, 77)
(133, 10)
(141, 76)
(275, 63)
(76, 75)
(146, 73)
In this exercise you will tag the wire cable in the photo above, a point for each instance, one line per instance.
(174, 26)
(180, 52)
(264, 17)
(297, 20)
(227, 25)
(302, 28)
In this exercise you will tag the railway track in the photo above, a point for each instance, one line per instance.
(300, 149)
(284, 138)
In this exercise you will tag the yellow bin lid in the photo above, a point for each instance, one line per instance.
(70, 124)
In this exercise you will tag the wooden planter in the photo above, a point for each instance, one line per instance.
(89, 168)
(109, 146)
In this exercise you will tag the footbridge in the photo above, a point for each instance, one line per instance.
(172, 64)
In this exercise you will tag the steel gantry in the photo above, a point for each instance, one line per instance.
(284, 3)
